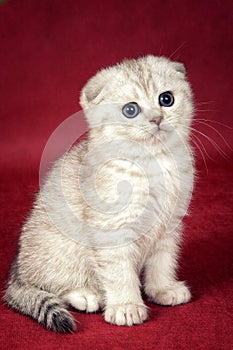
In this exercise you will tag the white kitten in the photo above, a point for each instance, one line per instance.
(112, 206)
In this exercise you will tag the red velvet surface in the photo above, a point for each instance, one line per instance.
(48, 49)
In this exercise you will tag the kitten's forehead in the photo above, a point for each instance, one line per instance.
(139, 80)
(143, 77)
(147, 68)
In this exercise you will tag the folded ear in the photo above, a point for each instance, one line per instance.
(92, 92)
(179, 67)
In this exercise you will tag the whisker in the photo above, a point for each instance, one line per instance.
(212, 142)
(189, 128)
(178, 48)
(213, 121)
(204, 110)
(203, 147)
(201, 152)
(204, 103)
(217, 132)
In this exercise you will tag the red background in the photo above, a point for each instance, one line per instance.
(48, 49)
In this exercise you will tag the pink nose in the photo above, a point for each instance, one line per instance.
(156, 120)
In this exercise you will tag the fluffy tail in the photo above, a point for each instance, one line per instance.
(42, 306)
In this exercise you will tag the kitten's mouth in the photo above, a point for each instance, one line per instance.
(160, 129)
(161, 125)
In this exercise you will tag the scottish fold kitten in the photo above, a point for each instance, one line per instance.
(107, 222)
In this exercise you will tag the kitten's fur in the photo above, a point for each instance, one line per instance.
(71, 251)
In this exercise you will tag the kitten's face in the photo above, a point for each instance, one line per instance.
(150, 93)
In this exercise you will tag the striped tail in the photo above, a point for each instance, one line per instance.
(42, 306)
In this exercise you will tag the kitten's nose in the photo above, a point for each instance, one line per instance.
(156, 120)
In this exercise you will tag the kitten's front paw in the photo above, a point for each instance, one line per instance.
(125, 314)
(173, 295)
(84, 299)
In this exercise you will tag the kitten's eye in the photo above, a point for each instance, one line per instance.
(131, 110)
(166, 99)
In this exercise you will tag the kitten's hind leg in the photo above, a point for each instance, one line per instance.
(84, 299)
(160, 281)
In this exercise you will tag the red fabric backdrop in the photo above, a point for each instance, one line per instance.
(48, 49)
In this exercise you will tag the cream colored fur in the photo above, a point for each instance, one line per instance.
(107, 222)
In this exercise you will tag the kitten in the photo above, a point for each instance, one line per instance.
(110, 209)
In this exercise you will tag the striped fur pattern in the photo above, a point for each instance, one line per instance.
(47, 308)
(112, 206)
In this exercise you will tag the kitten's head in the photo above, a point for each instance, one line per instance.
(151, 93)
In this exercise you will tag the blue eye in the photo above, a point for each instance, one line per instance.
(166, 99)
(131, 110)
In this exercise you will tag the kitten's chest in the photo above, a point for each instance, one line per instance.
(136, 182)
(162, 174)
(131, 189)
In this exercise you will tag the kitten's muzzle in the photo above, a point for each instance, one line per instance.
(156, 120)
